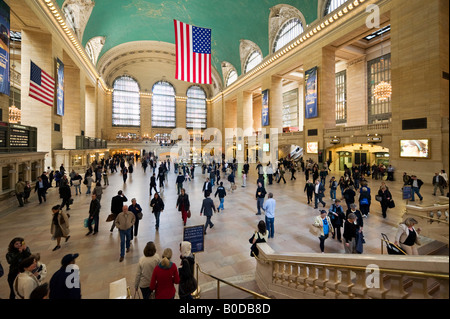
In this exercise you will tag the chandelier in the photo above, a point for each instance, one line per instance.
(382, 91)
(15, 114)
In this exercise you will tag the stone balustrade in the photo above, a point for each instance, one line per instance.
(433, 220)
(342, 276)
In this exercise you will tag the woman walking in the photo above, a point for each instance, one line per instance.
(183, 205)
(165, 277)
(17, 252)
(147, 264)
(158, 206)
(60, 226)
(324, 223)
(385, 199)
(408, 236)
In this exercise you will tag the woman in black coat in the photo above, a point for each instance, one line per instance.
(17, 251)
(386, 198)
(183, 205)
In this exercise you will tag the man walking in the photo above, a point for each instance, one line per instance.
(94, 213)
(124, 221)
(116, 205)
(180, 180)
(416, 185)
(260, 195)
(269, 209)
(20, 189)
(222, 193)
(319, 193)
(438, 182)
(207, 209)
(41, 189)
(207, 188)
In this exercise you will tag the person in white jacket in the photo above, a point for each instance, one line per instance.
(26, 280)
(147, 264)
(324, 223)
(408, 237)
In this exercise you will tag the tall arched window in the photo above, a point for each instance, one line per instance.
(232, 77)
(163, 105)
(253, 60)
(332, 5)
(126, 104)
(288, 32)
(196, 108)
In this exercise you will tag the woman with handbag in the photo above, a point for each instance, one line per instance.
(259, 236)
(323, 222)
(59, 226)
(408, 237)
(385, 199)
(136, 209)
(183, 205)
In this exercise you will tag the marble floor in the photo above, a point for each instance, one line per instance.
(227, 248)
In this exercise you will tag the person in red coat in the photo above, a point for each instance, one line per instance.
(165, 277)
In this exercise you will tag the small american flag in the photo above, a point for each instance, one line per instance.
(42, 85)
(193, 53)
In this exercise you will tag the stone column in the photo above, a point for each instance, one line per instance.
(245, 112)
(90, 114)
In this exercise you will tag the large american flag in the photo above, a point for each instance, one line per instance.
(193, 53)
(42, 85)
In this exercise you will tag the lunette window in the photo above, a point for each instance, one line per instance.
(253, 60)
(232, 77)
(290, 30)
(332, 5)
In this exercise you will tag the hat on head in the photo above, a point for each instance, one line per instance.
(67, 259)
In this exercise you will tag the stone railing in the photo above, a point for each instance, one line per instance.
(342, 276)
(433, 220)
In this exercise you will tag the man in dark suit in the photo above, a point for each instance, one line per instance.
(207, 187)
(438, 182)
(319, 193)
(207, 209)
(117, 205)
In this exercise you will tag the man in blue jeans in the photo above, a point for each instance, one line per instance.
(222, 193)
(269, 209)
(260, 194)
(124, 221)
(416, 185)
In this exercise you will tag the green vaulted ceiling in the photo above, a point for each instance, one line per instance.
(122, 21)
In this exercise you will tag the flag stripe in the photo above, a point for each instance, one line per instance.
(193, 53)
(42, 85)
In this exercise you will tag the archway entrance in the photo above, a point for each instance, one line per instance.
(350, 155)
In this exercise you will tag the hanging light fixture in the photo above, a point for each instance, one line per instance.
(383, 90)
(15, 114)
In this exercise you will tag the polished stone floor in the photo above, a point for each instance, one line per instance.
(227, 248)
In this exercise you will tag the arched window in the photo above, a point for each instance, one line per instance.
(196, 108)
(126, 104)
(332, 5)
(253, 60)
(232, 77)
(163, 105)
(288, 32)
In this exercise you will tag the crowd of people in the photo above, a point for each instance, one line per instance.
(157, 276)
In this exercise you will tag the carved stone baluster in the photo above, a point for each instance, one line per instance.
(419, 289)
(321, 281)
(276, 270)
(280, 273)
(360, 288)
(396, 290)
(293, 283)
(311, 279)
(332, 283)
(377, 288)
(346, 284)
(443, 288)
(287, 274)
(301, 279)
